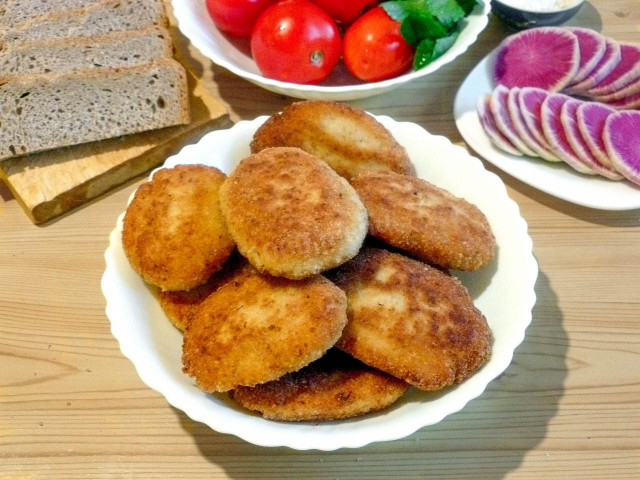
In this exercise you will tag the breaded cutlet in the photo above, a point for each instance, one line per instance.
(256, 328)
(291, 215)
(334, 387)
(346, 137)
(173, 232)
(426, 221)
(411, 320)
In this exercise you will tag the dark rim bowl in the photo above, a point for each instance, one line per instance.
(519, 18)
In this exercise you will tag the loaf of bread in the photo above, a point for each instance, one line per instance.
(96, 19)
(63, 55)
(13, 12)
(40, 112)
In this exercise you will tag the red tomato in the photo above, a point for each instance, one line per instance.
(345, 11)
(295, 41)
(236, 17)
(374, 48)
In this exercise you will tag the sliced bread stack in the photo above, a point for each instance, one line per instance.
(82, 74)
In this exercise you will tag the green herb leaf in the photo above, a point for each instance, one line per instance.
(396, 10)
(418, 26)
(468, 5)
(424, 53)
(429, 49)
(448, 12)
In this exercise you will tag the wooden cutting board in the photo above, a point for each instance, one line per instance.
(51, 183)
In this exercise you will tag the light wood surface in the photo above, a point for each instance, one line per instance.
(71, 406)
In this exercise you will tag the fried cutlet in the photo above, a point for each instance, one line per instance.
(333, 387)
(347, 138)
(291, 215)
(426, 221)
(181, 306)
(256, 328)
(411, 320)
(173, 232)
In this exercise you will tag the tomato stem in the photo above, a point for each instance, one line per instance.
(316, 57)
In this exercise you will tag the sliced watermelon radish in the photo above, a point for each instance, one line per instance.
(568, 117)
(490, 128)
(627, 103)
(623, 143)
(546, 57)
(591, 117)
(627, 70)
(530, 100)
(627, 91)
(592, 46)
(521, 127)
(605, 66)
(500, 109)
(551, 111)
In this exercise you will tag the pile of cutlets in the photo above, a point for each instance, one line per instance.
(312, 283)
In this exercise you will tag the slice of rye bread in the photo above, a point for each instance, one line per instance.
(13, 12)
(41, 112)
(63, 55)
(97, 19)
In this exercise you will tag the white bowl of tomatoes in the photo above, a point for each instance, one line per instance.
(331, 49)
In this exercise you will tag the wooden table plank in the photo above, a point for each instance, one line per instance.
(71, 406)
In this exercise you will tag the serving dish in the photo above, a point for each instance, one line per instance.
(557, 179)
(504, 291)
(529, 17)
(194, 22)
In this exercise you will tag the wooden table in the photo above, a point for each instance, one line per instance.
(71, 405)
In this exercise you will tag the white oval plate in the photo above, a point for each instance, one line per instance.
(554, 178)
(196, 24)
(504, 292)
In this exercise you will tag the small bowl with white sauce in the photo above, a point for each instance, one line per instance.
(535, 13)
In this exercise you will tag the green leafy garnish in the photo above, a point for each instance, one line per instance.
(418, 26)
(431, 26)
(429, 49)
(468, 5)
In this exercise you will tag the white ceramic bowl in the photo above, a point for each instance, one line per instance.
(196, 24)
(504, 292)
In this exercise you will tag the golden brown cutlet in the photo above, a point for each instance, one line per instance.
(173, 232)
(291, 215)
(334, 387)
(426, 221)
(347, 138)
(411, 320)
(256, 328)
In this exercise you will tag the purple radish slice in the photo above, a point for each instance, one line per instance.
(490, 128)
(500, 109)
(551, 111)
(592, 46)
(625, 72)
(521, 127)
(627, 91)
(530, 100)
(591, 117)
(627, 103)
(607, 64)
(623, 143)
(546, 57)
(568, 117)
